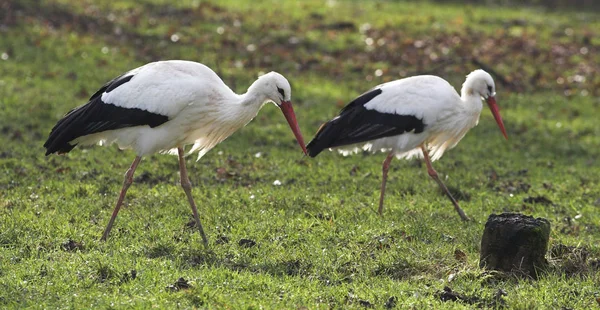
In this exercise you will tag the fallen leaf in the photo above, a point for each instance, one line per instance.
(460, 255)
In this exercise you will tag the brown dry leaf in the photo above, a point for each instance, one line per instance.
(223, 174)
(460, 255)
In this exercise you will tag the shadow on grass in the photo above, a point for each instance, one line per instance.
(291, 267)
(401, 270)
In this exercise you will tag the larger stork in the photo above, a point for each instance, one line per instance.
(163, 106)
(420, 116)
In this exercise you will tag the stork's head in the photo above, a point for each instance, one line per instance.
(480, 83)
(276, 88)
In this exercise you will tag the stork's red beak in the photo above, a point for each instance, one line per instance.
(491, 101)
(290, 116)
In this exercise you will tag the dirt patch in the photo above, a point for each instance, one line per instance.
(365, 303)
(537, 200)
(322, 216)
(246, 243)
(222, 239)
(294, 267)
(200, 258)
(447, 294)
(104, 273)
(235, 173)
(128, 276)
(460, 256)
(191, 224)
(572, 260)
(180, 284)
(513, 187)
(391, 302)
(160, 250)
(399, 270)
(496, 301)
(72, 246)
(351, 298)
(147, 177)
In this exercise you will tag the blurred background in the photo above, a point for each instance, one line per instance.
(528, 45)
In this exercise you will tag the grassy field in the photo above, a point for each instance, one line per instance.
(315, 241)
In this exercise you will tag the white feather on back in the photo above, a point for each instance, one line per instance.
(189, 93)
(167, 87)
(418, 96)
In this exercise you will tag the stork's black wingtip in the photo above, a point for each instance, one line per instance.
(313, 148)
(312, 153)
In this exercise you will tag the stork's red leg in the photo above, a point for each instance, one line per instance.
(385, 168)
(126, 183)
(434, 175)
(187, 187)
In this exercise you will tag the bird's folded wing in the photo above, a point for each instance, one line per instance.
(97, 116)
(357, 124)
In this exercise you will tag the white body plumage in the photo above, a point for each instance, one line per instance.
(447, 116)
(165, 105)
(203, 115)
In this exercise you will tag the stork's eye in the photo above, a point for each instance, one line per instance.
(489, 89)
(281, 92)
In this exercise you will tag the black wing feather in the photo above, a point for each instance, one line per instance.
(97, 116)
(356, 124)
(112, 84)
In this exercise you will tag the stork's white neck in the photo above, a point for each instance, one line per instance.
(252, 98)
(255, 95)
(472, 101)
(467, 93)
(244, 107)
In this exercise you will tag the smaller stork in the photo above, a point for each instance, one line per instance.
(420, 116)
(163, 106)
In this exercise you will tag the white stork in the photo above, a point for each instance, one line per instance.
(163, 106)
(420, 116)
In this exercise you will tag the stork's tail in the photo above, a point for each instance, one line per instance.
(62, 133)
(324, 139)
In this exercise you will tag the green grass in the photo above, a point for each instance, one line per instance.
(319, 241)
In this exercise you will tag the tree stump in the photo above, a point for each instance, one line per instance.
(515, 242)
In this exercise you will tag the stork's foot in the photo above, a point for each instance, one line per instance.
(461, 213)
